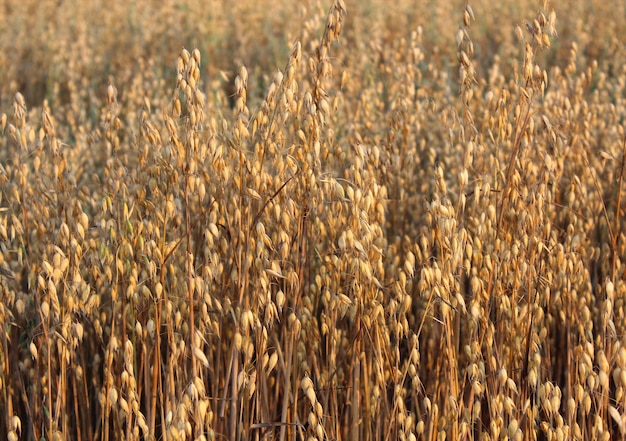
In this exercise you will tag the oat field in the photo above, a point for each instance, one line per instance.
(323, 220)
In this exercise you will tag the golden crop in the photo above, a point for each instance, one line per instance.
(316, 220)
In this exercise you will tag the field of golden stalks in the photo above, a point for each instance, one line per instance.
(318, 220)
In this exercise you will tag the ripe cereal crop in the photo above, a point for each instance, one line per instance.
(320, 220)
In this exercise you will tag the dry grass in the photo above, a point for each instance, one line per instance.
(331, 222)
